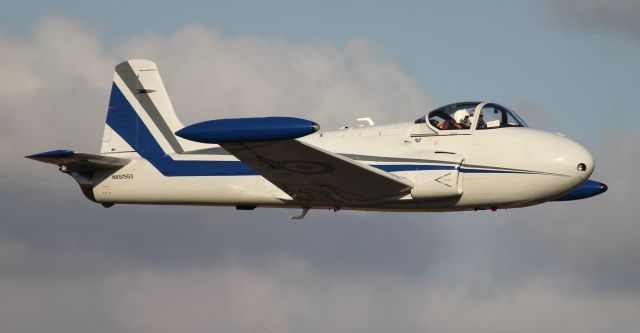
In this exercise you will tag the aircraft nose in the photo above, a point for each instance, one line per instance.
(577, 159)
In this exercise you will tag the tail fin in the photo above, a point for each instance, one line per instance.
(140, 117)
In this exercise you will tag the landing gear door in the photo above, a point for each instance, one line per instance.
(440, 178)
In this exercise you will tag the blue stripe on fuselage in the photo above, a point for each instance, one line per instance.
(412, 167)
(473, 170)
(123, 119)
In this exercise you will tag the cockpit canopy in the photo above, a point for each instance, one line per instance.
(462, 116)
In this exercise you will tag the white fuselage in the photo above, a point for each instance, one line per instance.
(461, 156)
(479, 169)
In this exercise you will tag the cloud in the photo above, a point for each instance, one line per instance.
(616, 15)
(69, 265)
(211, 76)
(287, 295)
(58, 79)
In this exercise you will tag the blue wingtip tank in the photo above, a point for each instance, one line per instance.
(248, 130)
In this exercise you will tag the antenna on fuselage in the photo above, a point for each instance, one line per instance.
(368, 120)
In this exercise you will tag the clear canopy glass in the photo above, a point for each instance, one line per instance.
(461, 116)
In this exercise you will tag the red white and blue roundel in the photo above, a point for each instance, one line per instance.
(306, 167)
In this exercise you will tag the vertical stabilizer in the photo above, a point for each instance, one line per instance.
(140, 116)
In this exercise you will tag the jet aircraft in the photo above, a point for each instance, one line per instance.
(459, 157)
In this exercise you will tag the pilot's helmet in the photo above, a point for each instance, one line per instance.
(459, 115)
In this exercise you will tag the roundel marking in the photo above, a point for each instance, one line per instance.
(306, 167)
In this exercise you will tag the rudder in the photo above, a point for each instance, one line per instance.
(140, 116)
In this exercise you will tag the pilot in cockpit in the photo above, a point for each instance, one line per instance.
(465, 122)
(461, 120)
(481, 123)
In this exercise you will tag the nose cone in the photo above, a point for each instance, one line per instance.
(587, 189)
(574, 159)
(563, 165)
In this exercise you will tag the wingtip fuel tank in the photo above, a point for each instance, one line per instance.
(248, 130)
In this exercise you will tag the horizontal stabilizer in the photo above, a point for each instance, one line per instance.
(72, 161)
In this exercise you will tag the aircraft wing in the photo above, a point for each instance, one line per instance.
(72, 161)
(313, 175)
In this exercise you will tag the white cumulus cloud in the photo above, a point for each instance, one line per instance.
(67, 265)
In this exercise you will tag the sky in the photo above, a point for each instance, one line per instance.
(69, 265)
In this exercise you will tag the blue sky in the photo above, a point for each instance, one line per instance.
(513, 52)
(70, 265)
